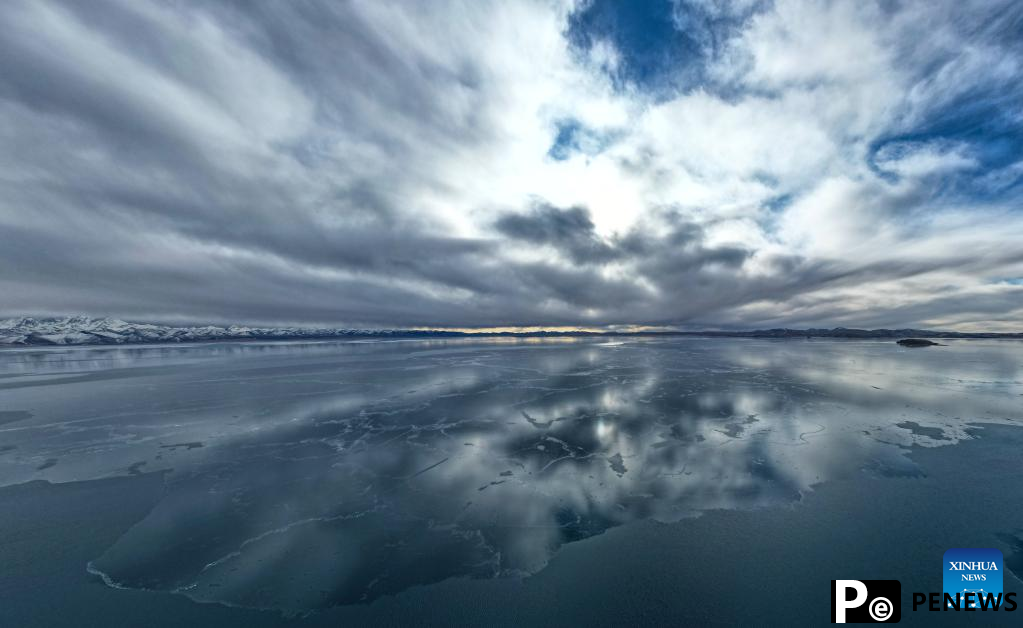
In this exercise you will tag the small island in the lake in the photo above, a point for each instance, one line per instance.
(918, 342)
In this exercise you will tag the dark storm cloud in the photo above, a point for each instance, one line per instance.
(201, 177)
(569, 230)
(332, 163)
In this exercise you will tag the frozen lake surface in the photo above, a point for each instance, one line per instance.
(299, 477)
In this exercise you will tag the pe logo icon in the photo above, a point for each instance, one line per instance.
(866, 601)
(977, 572)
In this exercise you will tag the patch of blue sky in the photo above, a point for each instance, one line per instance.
(573, 137)
(664, 46)
(779, 202)
(985, 127)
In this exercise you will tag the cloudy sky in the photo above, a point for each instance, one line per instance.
(697, 163)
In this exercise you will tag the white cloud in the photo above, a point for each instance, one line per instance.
(921, 159)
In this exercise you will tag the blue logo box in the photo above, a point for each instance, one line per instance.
(977, 571)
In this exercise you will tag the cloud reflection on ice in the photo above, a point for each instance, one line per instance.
(333, 474)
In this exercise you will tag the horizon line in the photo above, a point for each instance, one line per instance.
(89, 325)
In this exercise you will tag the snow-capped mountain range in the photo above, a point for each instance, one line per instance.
(83, 330)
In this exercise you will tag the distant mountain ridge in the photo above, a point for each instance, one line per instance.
(83, 330)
